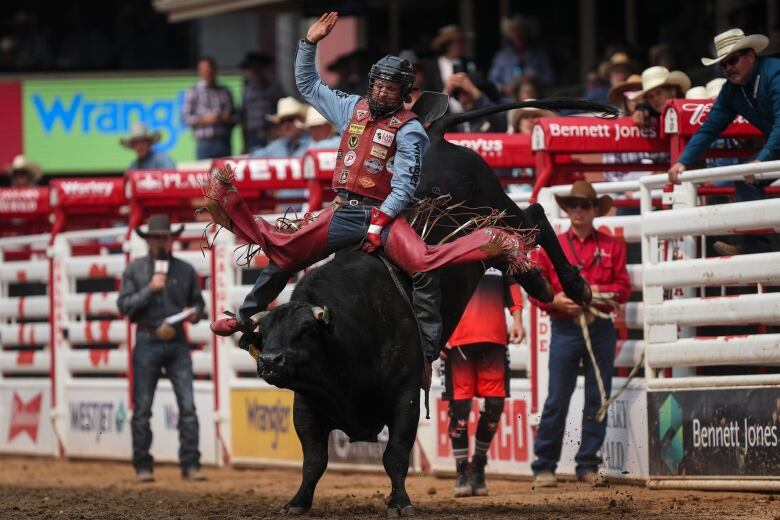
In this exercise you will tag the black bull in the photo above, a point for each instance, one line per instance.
(347, 343)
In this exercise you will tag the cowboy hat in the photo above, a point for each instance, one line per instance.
(447, 34)
(616, 93)
(287, 107)
(21, 164)
(735, 40)
(698, 92)
(713, 87)
(314, 118)
(619, 60)
(658, 76)
(584, 190)
(139, 132)
(159, 226)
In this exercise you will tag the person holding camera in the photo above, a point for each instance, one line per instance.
(158, 293)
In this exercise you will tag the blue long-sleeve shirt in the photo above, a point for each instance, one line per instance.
(154, 161)
(758, 101)
(337, 107)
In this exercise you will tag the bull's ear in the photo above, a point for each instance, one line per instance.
(322, 314)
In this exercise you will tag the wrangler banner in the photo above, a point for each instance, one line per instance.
(712, 433)
(74, 125)
(262, 422)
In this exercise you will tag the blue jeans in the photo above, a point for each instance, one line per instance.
(567, 350)
(212, 148)
(149, 358)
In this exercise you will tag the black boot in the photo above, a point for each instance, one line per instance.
(462, 483)
(426, 300)
(477, 475)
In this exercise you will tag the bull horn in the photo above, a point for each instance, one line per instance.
(257, 318)
(322, 314)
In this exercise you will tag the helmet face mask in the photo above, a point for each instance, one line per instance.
(382, 79)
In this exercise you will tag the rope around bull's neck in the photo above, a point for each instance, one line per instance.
(608, 300)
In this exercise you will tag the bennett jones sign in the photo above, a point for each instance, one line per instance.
(75, 124)
(731, 432)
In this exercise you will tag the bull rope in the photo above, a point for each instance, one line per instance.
(606, 299)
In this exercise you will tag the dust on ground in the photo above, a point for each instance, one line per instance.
(60, 488)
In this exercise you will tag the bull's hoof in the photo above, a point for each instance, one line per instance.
(293, 510)
(396, 512)
(576, 288)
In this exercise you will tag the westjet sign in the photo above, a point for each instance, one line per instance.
(74, 125)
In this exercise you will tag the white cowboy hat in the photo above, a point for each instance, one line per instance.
(658, 76)
(287, 107)
(735, 40)
(697, 92)
(139, 132)
(713, 87)
(21, 164)
(314, 118)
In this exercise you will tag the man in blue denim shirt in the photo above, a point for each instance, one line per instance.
(141, 141)
(153, 288)
(752, 91)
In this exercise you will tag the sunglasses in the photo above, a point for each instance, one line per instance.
(732, 61)
(578, 203)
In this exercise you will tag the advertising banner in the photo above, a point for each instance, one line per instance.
(74, 125)
(340, 450)
(262, 424)
(24, 418)
(714, 433)
(685, 117)
(591, 134)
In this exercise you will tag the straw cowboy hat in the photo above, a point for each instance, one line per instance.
(159, 226)
(658, 76)
(619, 60)
(697, 92)
(447, 34)
(287, 107)
(735, 40)
(314, 118)
(584, 190)
(139, 132)
(21, 164)
(713, 87)
(616, 93)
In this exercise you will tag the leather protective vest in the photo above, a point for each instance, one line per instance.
(364, 161)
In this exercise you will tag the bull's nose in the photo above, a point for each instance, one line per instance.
(272, 361)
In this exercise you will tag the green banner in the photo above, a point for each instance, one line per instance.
(74, 125)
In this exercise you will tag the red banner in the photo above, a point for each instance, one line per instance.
(165, 184)
(16, 203)
(107, 194)
(319, 164)
(594, 135)
(269, 174)
(498, 150)
(11, 129)
(684, 117)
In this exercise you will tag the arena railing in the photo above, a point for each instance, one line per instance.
(705, 407)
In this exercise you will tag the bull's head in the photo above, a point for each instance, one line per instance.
(294, 338)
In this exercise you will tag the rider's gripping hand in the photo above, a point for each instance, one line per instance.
(373, 237)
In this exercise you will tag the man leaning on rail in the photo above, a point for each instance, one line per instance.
(752, 91)
(158, 293)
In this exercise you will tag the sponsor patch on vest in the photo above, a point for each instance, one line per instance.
(394, 121)
(378, 151)
(343, 176)
(366, 182)
(383, 137)
(356, 129)
(391, 165)
(349, 158)
(374, 166)
(352, 142)
(361, 114)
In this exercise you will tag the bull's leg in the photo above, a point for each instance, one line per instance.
(403, 430)
(314, 441)
(573, 284)
(536, 285)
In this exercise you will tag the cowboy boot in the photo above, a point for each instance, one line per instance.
(230, 325)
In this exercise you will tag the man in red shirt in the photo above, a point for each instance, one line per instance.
(476, 365)
(603, 261)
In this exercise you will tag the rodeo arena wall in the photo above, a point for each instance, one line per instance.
(65, 370)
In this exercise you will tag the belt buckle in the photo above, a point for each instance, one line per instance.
(353, 202)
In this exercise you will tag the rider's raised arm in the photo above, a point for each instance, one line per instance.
(412, 144)
(336, 106)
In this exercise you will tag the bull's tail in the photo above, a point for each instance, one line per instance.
(440, 126)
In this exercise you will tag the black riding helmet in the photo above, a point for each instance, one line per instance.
(393, 69)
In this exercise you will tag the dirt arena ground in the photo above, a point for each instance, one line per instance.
(46, 488)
